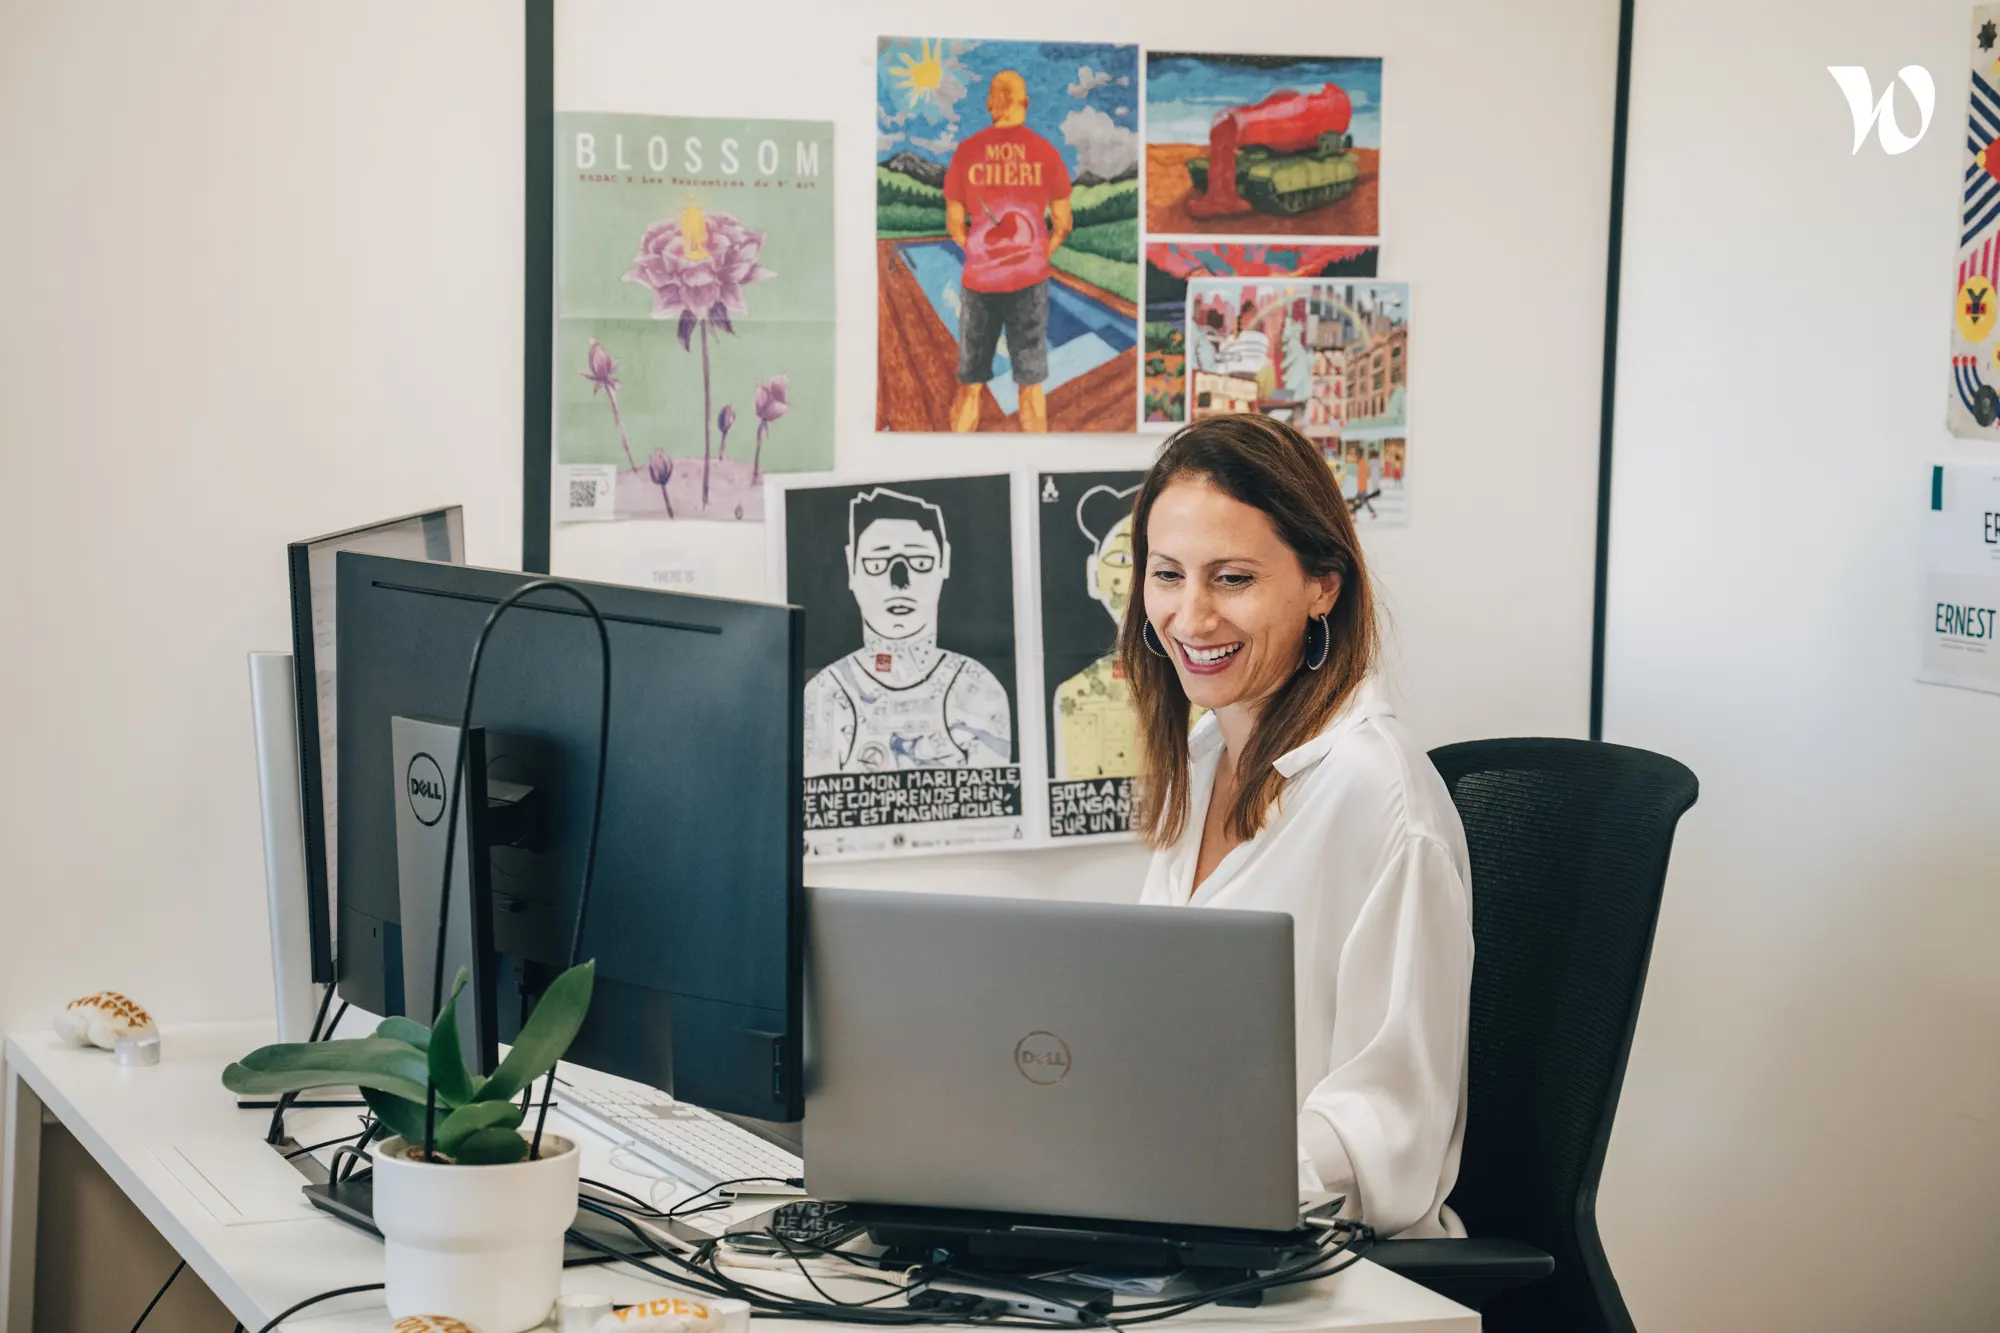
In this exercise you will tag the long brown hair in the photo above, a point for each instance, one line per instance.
(1263, 463)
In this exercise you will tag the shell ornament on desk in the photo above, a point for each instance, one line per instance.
(102, 1019)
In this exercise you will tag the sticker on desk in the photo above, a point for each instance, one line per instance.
(238, 1178)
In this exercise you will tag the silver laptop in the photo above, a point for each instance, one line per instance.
(1081, 1060)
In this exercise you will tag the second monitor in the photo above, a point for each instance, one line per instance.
(696, 916)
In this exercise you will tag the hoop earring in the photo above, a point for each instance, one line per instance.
(1319, 642)
(1152, 638)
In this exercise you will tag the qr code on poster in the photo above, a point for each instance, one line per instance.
(586, 491)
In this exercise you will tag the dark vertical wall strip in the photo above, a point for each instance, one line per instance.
(1611, 272)
(538, 285)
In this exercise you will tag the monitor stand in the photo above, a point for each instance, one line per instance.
(275, 724)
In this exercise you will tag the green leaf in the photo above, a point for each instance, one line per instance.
(545, 1036)
(447, 1061)
(405, 1030)
(468, 1120)
(491, 1147)
(395, 1057)
(368, 1062)
(243, 1080)
(400, 1114)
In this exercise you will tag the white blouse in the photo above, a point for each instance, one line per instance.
(1365, 850)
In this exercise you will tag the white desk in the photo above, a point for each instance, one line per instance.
(256, 1270)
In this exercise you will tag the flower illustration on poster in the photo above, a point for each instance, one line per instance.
(695, 273)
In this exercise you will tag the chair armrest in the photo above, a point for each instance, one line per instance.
(1470, 1270)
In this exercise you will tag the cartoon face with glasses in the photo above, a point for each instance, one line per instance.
(900, 700)
(897, 562)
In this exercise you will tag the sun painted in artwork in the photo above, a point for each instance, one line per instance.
(920, 76)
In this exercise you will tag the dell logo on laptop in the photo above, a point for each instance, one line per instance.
(1042, 1057)
(425, 781)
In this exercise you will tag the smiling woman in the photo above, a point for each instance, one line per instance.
(1248, 552)
(1300, 793)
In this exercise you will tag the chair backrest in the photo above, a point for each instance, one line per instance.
(1569, 842)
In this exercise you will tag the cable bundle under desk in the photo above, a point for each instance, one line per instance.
(700, 1267)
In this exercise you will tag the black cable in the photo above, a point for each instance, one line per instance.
(319, 1019)
(342, 1167)
(275, 1135)
(586, 1260)
(711, 1281)
(289, 1311)
(706, 1276)
(769, 1302)
(639, 1205)
(344, 1161)
(506, 604)
(1358, 1238)
(315, 1147)
(681, 1209)
(158, 1294)
(792, 1248)
(849, 1256)
(700, 1280)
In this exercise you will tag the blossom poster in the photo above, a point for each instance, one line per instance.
(694, 313)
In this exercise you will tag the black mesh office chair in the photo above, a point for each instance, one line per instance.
(1569, 843)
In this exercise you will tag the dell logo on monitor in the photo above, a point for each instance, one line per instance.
(1042, 1057)
(425, 783)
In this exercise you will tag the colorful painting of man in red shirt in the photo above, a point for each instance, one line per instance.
(1007, 206)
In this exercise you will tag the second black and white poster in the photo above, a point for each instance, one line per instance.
(1085, 580)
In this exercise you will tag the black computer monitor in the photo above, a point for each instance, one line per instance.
(696, 917)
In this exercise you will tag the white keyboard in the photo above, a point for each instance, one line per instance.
(689, 1143)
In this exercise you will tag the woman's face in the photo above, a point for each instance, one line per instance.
(1227, 597)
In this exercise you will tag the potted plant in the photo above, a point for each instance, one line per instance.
(474, 1228)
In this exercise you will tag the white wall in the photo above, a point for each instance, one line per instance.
(1496, 177)
(259, 278)
(1808, 1134)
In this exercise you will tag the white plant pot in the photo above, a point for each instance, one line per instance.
(483, 1244)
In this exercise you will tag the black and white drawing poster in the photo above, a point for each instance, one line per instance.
(912, 698)
(1084, 568)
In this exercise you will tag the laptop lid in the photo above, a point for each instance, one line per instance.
(1076, 1059)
